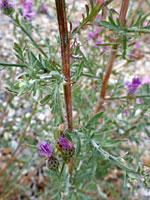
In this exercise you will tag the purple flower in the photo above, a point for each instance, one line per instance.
(138, 101)
(6, 6)
(65, 143)
(105, 48)
(132, 54)
(136, 45)
(97, 42)
(144, 24)
(46, 86)
(76, 24)
(126, 111)
(91, 35)
(146, 80)
(97, 29)
(98, 17)
(46, 149)
(132, 86)
(43, 9)
(28, 14)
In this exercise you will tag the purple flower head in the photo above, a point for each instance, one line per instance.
(46, 149)
(43, 9)
(90, 36)
(146, 80)
(98, 17)
(105, 48)
(97, 29)
(136, 45)
(138, 101)
(46, 86)
(76, 24)
(6, 6)
(132, 86)
(65, 143)
(144, 24)
(28, 14)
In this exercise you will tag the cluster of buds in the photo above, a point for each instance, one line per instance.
(145, 172)
(63, 145)
(7, 7)
(133, 86)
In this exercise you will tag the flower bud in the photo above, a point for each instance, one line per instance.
(65, 147)
(6, 6)
(52, 163)
(68, 153)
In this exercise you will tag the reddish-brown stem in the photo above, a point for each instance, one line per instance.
(65, 55)
(122, 17)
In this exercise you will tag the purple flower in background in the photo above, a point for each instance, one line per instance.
(28, 14)
(145, 24)
(46, 86)
(146, 80)
(43, 9)
(65, 143)
(98, 17)
(6, 6)
(132, 86)
(134, 48)
(76, 24)
(91, 35)
(126, 111)
(46, 149)
(105, 48)
(97, 29)
(138, 101)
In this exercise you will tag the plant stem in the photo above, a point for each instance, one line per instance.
(90, 17)
(65, 54)
(113, 159)
(126, 97)
(13, 65)
(124, 8)
(62, 168)
(30, 37)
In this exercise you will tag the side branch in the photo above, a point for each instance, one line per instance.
(65, 54)
(122, 17)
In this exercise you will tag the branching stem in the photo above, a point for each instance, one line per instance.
(122, 17)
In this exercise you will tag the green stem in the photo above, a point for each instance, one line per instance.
(30, 37)
(12, 65)
(127, 97)
(62, 169)
(137, 30)
(114, 159)
(90, 17)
